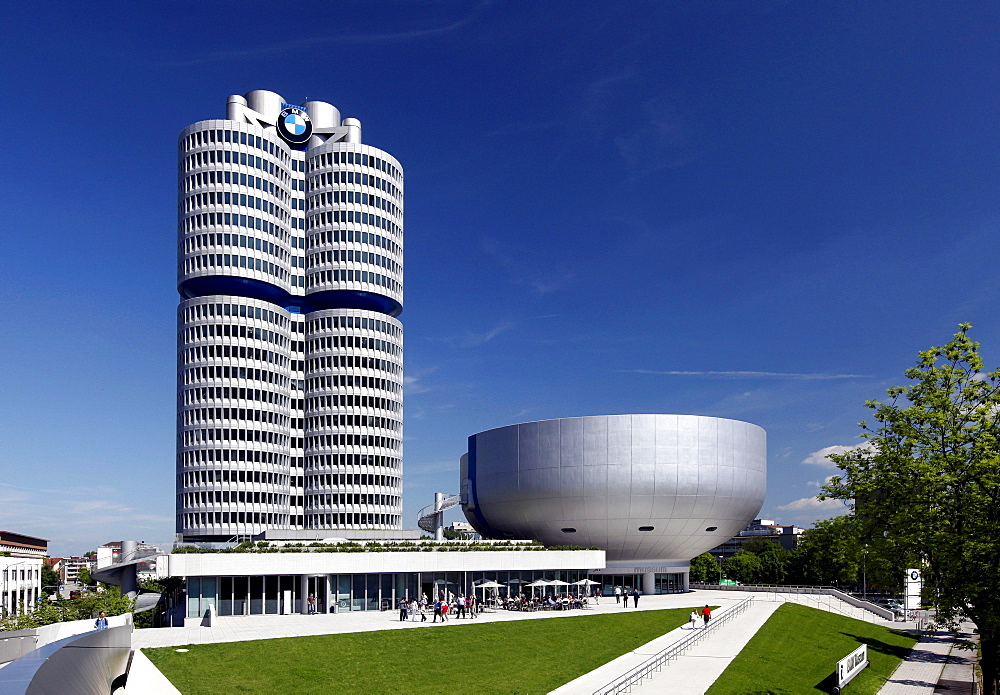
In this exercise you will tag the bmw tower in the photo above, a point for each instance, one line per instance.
(289, 349)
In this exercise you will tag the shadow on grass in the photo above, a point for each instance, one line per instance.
(880, 646)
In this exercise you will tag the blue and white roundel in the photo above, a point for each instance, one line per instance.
(294, 126)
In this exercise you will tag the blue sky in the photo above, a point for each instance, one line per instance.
(754, 210)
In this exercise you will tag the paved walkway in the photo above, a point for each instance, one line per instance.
(934, 666)
(252, 627)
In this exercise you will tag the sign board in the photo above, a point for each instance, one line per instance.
(913, 583)
(850, 666)
(729, 582)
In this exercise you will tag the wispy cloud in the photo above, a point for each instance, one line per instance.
(822, 456)
(520, 270)
(474, 339)
(748, 374)
(258, 50)
(414, 383)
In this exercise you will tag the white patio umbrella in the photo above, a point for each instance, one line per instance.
(537, 582)
(585, 583)
(488, 584)
(558, 582)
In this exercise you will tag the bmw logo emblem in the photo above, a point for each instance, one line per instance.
(294, 125)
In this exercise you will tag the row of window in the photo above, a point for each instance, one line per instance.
(324, 277)
(235, 178)
(326, 461)
(343, 216)
(200, 138)
(203, 394)
(353, 520)
(333, 178)
(202, 456)
(242, 476)
(195, 499)
(334, 381)
(352, 256)
(203, 519)
(195, 264)
(321, 422)
(362, 322)
(204, 220)
(328, 440)
(355, 197)
(205, 311)
(217, 198)
(329, 159)
(344, 479)
(353, 341)
(227, 330)
(203, 241)
(338, 236)
(352, 498)
(208, 352)
(197, 415)
(345, 400)
(202, 436)
(219, 157)
(353, 361)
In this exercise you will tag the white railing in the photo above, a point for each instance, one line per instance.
(656, 662)
(823, 597)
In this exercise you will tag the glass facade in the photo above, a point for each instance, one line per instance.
(281, 594)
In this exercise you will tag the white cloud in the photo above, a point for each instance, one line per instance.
(473, 339)
(821, 457)
(813, 504)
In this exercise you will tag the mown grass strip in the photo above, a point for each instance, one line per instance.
(520, 657)
(797, 650)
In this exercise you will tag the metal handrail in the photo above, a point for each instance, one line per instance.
(657, 661)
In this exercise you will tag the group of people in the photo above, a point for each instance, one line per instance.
(460, 606)
(621, 596)
(530, 603)
(706, 615)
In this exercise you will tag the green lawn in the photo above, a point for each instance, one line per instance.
(524, 656)
(797, 651)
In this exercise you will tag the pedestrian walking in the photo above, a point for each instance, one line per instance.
(402, 609)
(597, 595)
(444, 611)
(414, 610)
(102, 622)
(694, 620)
(461, 605)
(437, 611)
(624, 597)
(312, 604)
(706, 613)
(618, 594)
(635, 598)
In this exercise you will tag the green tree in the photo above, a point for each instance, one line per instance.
(744, 567)
(49, 579)
(704, 568)
(828, 554)
(928, 483)
(84, 577)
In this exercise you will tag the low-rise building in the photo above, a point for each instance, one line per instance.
(785, 536)
(69, 569)
(21, 559)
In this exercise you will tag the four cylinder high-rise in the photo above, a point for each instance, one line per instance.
(289, 353)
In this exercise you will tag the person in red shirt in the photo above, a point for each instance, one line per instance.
(706, 614)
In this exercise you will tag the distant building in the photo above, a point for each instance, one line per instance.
(20, 571)
(785, 536)
(463, 528)
(69, 568)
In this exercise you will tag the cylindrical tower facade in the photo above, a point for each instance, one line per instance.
(289, 352)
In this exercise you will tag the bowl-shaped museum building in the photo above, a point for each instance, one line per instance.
(653, 491)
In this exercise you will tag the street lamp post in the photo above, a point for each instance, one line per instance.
(720, 570)
(864, 574)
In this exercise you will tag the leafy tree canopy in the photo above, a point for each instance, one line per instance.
(927, 482)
